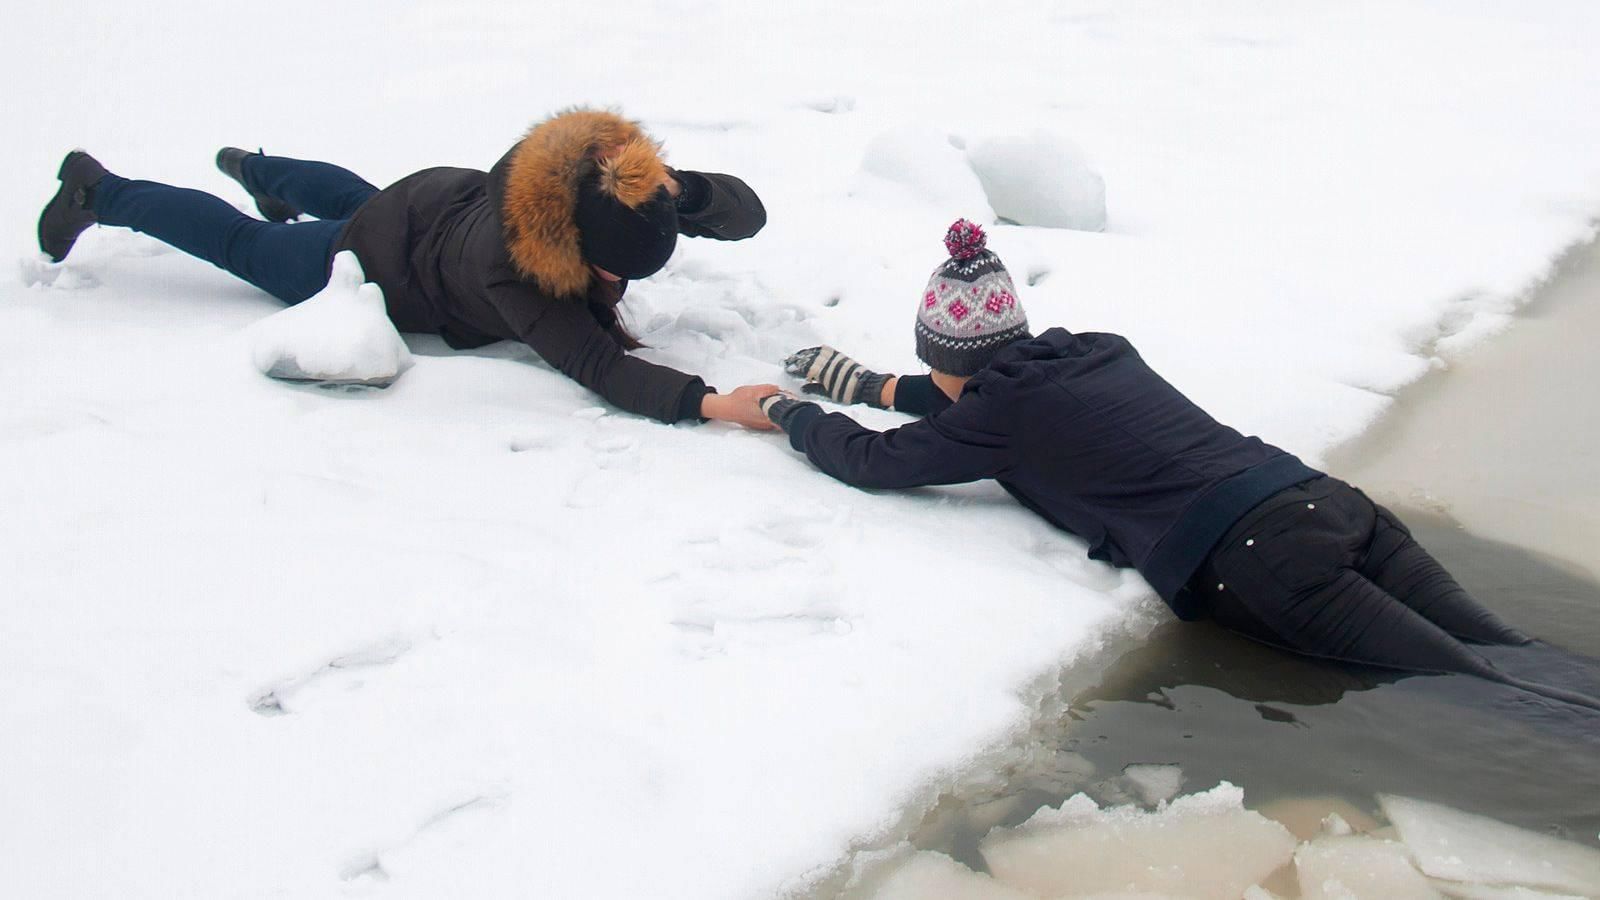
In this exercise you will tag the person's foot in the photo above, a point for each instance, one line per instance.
(71, 210)
(231, 161)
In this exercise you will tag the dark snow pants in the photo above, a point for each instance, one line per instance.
(290, 261)
(1320, 569)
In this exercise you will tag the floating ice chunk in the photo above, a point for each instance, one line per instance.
(1204, 845)
(926, 874)
(1350, 868)
(342, 335)
(1154, 783)
(921, 161)
(1458, 846)
(1040, 179)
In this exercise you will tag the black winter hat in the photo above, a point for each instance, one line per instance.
(628, 242)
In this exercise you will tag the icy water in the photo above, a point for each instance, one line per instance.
(1493, 464)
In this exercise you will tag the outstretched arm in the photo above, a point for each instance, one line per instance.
(968, 442)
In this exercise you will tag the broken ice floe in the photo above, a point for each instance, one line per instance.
(1208, 845)
(340, 336)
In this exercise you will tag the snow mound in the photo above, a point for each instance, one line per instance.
(922, 164)
(1203, 845)
(340, 336)
(1040, 179)
(1458, 846)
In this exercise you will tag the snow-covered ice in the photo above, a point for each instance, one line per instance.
(339, 336)
(478, 635)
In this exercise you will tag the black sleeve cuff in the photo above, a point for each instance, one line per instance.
(695, 193)
(918, 395)
(800, 422)
(689, 403)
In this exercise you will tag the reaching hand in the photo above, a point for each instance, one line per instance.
(834, 375)
(741, 406)
(782, 408)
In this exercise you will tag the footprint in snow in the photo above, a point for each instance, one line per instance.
(37, 271)
(280, 698)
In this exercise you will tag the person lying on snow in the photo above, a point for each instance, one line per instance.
(538, 249)
(1080, 430)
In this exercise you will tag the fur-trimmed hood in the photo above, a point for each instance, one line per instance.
(537, 187)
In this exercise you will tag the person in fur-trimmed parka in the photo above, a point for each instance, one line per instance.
(538, 249)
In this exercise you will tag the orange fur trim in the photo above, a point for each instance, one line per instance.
(541, 194)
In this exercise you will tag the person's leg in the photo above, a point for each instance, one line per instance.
(320, 189)
(288, 261)
(1397, 563)
(1285, 574)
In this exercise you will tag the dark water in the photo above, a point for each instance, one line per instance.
(1280, 726)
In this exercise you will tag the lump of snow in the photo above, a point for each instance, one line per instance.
(342, 335)
(1154, 783)
(1346, 868)
(921, 161)
(1457, 846)
(1205, 845)
(1040, 179)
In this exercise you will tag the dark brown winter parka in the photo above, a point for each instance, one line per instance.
(477, 257)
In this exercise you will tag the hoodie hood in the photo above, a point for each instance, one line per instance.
(538, 181)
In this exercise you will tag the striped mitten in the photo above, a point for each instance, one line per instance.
(828, 372)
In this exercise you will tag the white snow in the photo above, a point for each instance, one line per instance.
(339, 336)
(478, 635)
(1041, 178)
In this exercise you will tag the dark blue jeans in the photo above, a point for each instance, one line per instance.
(290, 261)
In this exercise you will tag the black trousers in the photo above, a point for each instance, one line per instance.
(1320, 569)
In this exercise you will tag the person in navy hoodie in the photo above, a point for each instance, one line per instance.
(1081, 431)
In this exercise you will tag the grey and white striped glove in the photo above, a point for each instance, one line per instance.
(782, 409)
(828, 372)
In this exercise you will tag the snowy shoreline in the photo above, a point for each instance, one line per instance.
(510, 631)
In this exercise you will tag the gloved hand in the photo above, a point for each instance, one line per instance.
(782, 408)
(831, 373)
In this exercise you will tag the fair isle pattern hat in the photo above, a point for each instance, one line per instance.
(970, 308)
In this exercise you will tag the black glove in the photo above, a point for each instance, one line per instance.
(695, 191)
(782, 409)
(832, 374)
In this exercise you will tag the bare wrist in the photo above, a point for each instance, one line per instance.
(886, 396)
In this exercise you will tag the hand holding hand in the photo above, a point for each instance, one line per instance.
(782, 408)
(828, 372)
(741, 406)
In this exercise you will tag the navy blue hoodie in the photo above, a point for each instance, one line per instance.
(1080, 430)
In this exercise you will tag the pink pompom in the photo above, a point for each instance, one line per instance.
(965, 239)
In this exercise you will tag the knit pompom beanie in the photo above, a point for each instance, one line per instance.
(970, 308)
